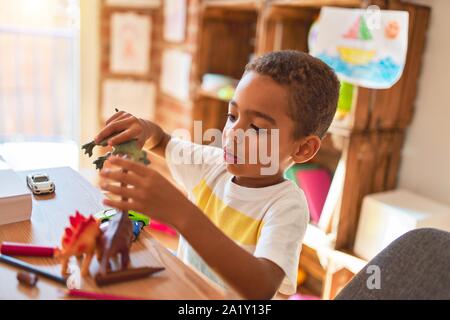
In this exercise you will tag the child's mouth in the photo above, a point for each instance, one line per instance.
(229, 157)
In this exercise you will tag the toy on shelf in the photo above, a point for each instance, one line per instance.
(346, 93)
(316, 184)
(218, 85)
(79, 239)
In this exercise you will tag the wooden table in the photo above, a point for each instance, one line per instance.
(49, 218)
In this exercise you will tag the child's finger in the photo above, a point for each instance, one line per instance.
(124, 192)
(114, 127)
(123, 136)
(115, 116)
(120, 176)
(120, 205)
(133, 166)
(119, 117)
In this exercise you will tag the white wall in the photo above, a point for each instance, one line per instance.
(89, 73)
(426, 156)
(89, 77)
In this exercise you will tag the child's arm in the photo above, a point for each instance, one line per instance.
(125, 126)
(252, 277)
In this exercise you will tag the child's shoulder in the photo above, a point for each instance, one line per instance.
(290, 202)
(291, 195)
(283, 198)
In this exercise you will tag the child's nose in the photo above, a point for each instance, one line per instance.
(237, 135)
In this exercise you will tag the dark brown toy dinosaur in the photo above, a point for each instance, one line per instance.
(116, 240)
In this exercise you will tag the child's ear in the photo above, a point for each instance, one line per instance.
(306, 149)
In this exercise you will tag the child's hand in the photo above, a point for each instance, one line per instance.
(126, 127)
(148, 192)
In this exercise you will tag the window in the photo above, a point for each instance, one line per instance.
(39, 83)
(39, 66)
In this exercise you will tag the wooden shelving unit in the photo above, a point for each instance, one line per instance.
(223, 36)
(319, 3)
(234, 4)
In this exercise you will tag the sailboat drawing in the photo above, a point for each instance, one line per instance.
(361, 55)
(356, 46)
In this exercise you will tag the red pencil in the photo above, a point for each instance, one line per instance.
(25, 249)
(97, 296)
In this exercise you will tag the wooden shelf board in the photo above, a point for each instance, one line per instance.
(108, 9)
(182, 46)
(234, 4)
(340, 131)
(317, 3)
(167, 97)
(211, 95)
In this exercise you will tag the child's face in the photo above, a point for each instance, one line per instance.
(260, 109)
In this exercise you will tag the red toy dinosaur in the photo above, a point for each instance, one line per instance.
(80, 239)
(84, 238)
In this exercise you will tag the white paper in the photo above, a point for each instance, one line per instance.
(3, 164)
(130, 43)
(134, 3)
(135, 97)
(365, 47)
(174, 20)
(176, 68)
(15, 198)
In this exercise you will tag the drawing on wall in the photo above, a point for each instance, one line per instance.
(149, 4)
(176, 68)
(130, 43)
(174, 20)
(364, 52)
(135, 97)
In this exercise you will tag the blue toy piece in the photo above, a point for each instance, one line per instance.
(137, 227)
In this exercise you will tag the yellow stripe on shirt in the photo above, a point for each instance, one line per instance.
(235, 224)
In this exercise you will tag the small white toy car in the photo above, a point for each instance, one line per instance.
(40, 183)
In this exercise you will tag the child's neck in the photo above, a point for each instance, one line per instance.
(260, 182)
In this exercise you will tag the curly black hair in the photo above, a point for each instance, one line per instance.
(313, 88)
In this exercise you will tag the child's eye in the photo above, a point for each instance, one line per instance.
(231, 117)
(255, 128)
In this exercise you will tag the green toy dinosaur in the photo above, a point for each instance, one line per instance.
(129, 148)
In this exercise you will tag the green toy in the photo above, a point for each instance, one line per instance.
(107, 214)
(346, 93)
(128, 148)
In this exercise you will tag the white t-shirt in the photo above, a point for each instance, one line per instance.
(268, 222)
